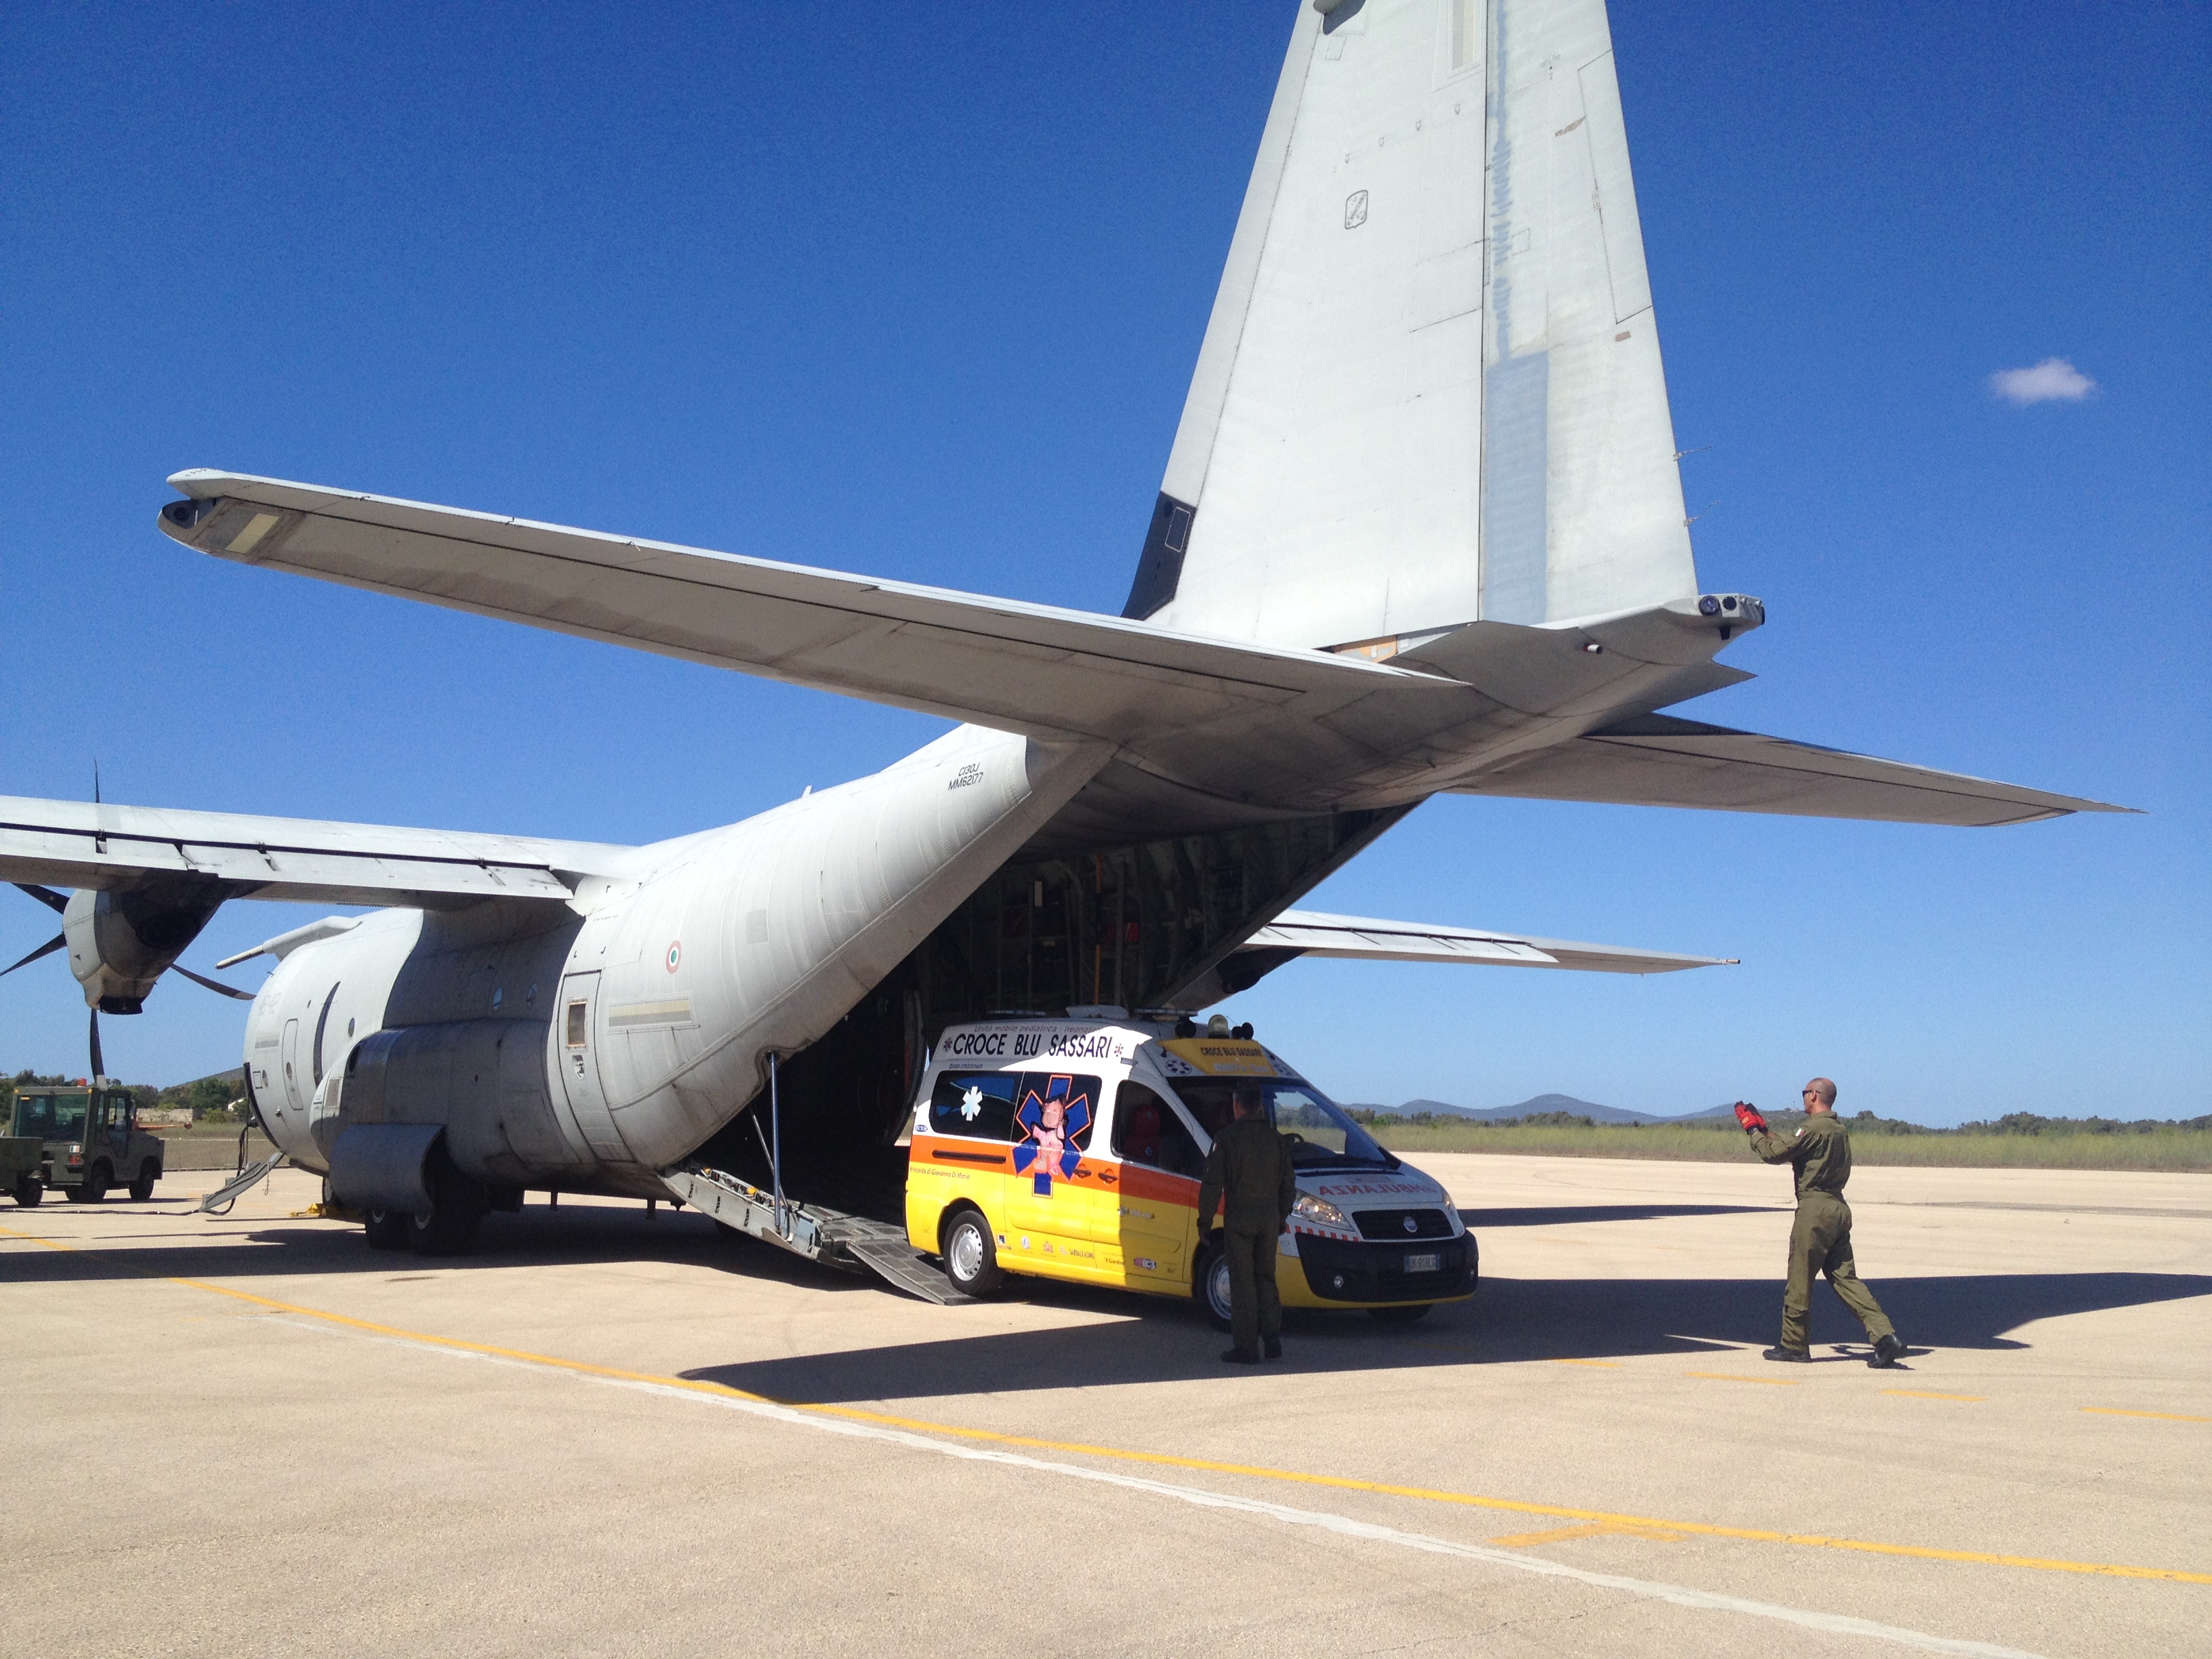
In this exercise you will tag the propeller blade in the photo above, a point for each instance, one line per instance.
(45, 896)
(98, 1068)
(201, 979)
(46, 949)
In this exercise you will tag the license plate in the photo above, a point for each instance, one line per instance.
(1421, 1264)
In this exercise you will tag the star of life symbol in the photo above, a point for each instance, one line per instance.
(1057, 1125)
(971, 1103)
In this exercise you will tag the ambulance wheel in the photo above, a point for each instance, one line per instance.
(1213, 1288)
(386, 1229)
(1401, 1315)
(29, 1190)
(143, 1188)
(971, 1258)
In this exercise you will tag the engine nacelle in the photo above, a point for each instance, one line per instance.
(122, 940)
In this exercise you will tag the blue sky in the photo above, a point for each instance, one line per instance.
(916, 289)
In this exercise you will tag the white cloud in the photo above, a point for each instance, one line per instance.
(2052, 380)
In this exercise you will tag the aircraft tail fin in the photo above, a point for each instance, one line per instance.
(1431, 390)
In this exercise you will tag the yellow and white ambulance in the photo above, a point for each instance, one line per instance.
(1072, 1149)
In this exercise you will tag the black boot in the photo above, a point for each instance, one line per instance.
(1271, 1348)
(1801, 1356)
(1239, 1357)
(1887, 1351)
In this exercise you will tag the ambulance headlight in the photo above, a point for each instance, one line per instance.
(1320, 1212)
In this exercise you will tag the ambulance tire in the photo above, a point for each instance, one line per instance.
(971, 1257)
(1212, 1279)
(1402, 1314)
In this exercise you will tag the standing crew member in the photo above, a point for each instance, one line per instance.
(1820, 1237)
(1250, 1165)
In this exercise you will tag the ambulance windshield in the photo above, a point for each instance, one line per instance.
(1320, 1130)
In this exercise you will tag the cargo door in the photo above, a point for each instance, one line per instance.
(1057, 1195)
(1157, 1211)
(578, 1047)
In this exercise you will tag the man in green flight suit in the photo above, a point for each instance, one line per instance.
(1250, 1165)
(1821, 1238)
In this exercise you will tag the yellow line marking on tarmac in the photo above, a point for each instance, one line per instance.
(1730, 1376)
(2170, 1417)
(1605, 1364)
(1922, 1393)
(1342, 1483)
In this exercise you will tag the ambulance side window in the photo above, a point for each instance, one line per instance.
(1147, 1130)
(978, 1105)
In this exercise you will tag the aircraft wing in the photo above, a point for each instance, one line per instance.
(62, 843)
(1038, 670)
(1313, 934)
(1657, 760)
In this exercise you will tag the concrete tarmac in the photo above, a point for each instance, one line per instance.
(251, 1434)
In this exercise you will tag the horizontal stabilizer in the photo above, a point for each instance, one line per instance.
(69, 843)
(1312, 933)
(1657, 760)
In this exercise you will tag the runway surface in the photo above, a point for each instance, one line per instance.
(608, 1431)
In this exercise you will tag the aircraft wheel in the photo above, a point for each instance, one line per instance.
(386, 1229)
(457, 1210)
(971, 1258)
(28, 1191)
(1401, 1315)
(1213, 1287)
(449, 1229)
(143, 1188)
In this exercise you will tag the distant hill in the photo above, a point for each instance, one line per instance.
(1549, 1102)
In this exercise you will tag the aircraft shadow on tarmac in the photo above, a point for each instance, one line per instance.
(539, 1236)
(1136, 1338)
(1557, 1215)
(1508, 1320)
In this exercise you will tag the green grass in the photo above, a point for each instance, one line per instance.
(2179, 1150)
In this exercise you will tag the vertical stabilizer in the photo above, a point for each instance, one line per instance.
(1431, 390)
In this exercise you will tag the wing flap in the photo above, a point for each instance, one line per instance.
(1315, 933)
(81, 844)
(1657, 760)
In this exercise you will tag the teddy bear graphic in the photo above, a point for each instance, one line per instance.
(1056, 1124)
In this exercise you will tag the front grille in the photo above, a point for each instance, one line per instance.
(1389, 1226)
(1376, 1272)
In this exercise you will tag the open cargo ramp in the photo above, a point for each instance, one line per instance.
(854, 1243)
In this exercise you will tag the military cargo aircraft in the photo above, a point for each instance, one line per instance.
(1421, 531)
